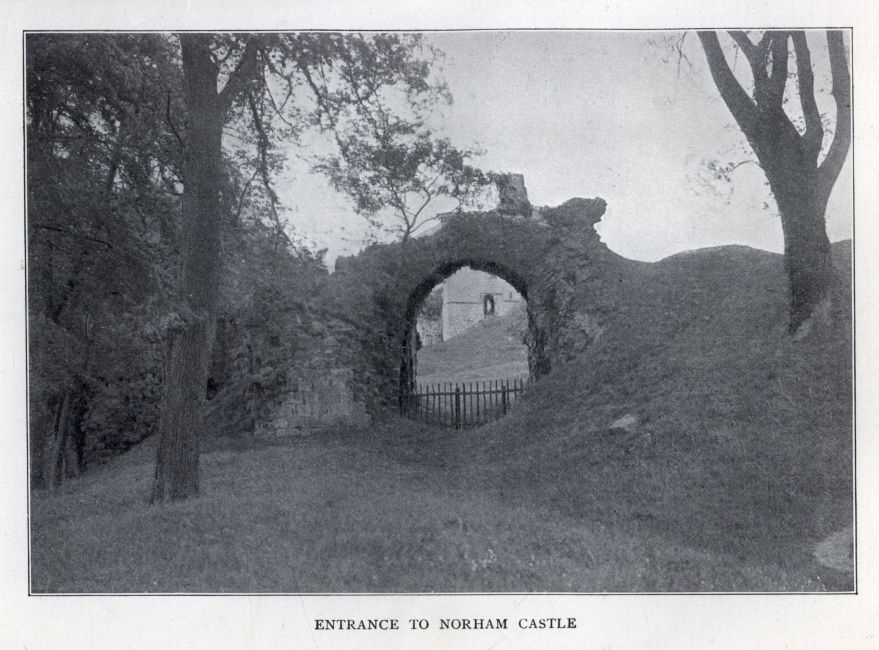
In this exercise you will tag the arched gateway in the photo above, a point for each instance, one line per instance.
(553, 258)
(509, 247)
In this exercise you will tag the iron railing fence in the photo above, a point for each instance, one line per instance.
(463, 404)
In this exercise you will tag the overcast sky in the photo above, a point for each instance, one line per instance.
(594, 114)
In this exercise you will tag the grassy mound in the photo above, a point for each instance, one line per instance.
(745, 443)
(740, 466)
(491, 349)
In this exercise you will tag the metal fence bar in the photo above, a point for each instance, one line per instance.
(477, 403)
(462, 404)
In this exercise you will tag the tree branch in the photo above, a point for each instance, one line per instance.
(263, 166)
(170, 121)
(757, 56)
(679, 48)
(270, 66)
(243, 195)
(70, 233)
(749, 48)
(814, 134)
(737, 100)
(778, 78)
(842, 94)
(242, 75)
(323, 105)
(427, 199)
(423, 222)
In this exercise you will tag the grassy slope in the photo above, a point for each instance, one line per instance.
(747, 465)
(749, 449)
(491, 349)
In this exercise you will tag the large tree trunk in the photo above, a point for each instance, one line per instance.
(182, 413)
(188, 353)
(807, 254)
(801, 198)
(800, 184)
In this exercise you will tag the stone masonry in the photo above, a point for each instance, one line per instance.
(322, 400)
(363, 364)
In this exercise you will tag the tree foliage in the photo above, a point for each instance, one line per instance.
(375, 95)
(228, 80)
(153, 221)
(102, 173)
(402, 167)
(106, 145)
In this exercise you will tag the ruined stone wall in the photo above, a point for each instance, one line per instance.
(320, 399)
(296, 379)
(581, 278)
(358, 367)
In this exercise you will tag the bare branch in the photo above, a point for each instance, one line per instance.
(750, 49)
(758, 57)
(778, 78)
(729, 169)
(423, 222)
(427, 199)
(814, 133)
(842, 94)
(737, 100)
(682, 57)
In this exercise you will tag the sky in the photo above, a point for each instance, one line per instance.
(584, 114)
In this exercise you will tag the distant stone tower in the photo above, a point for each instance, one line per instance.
(512, 195)
(470, 296)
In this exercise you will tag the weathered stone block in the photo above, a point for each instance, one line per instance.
(626, 424)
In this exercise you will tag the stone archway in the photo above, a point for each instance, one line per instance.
(554, 259)
(361, 362)
(537, 365)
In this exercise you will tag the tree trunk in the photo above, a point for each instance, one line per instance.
(807, 254)
(182, 414)
(790, 159)
(801, 198)
(190, 344)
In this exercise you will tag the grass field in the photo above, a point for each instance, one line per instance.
(491, 349)
(743, 465)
